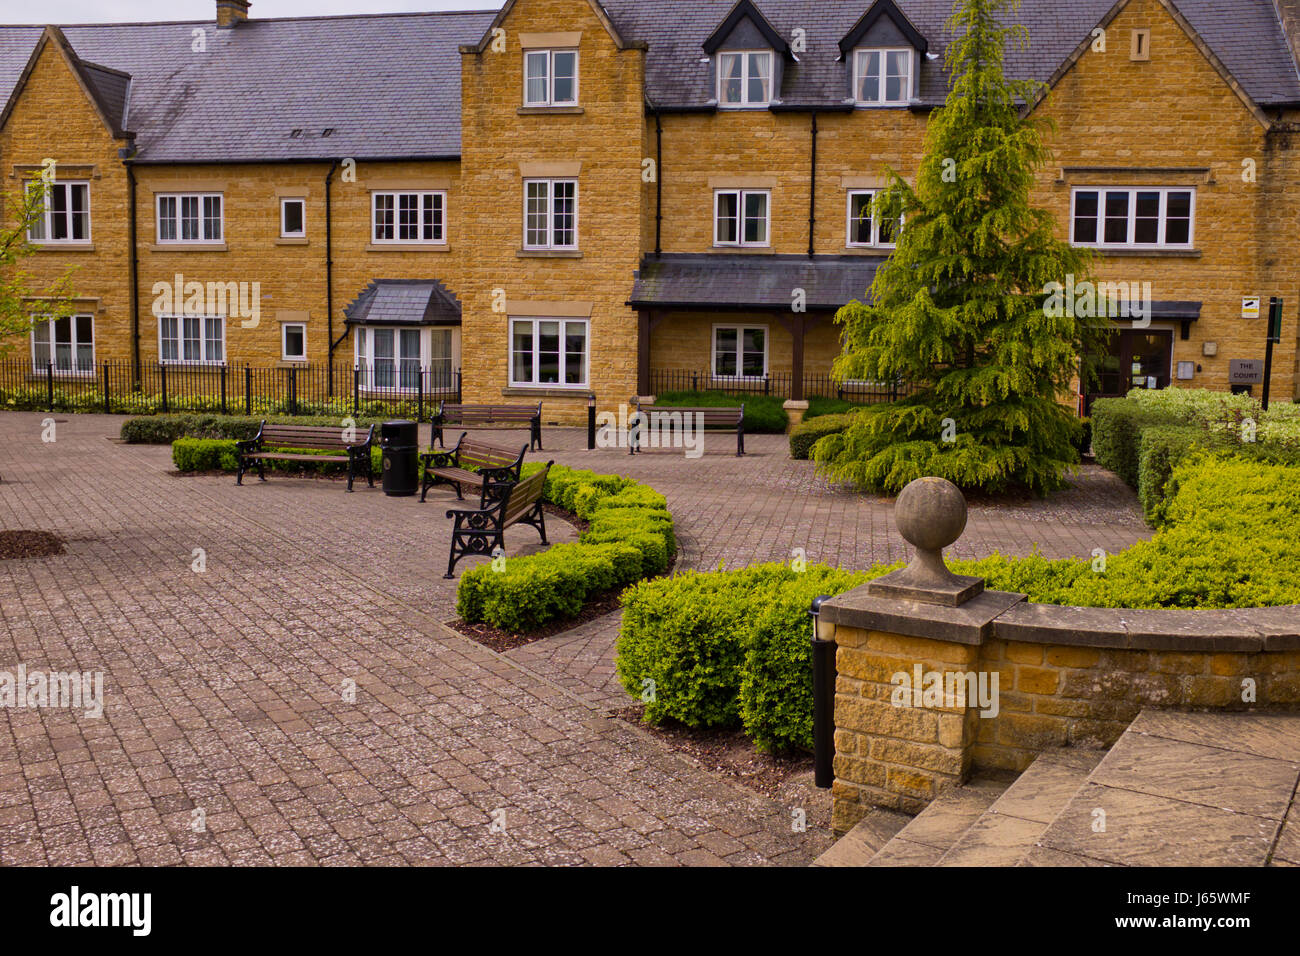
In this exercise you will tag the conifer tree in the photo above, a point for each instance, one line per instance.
(959, 310)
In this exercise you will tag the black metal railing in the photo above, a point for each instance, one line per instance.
(115, 388)
(777, 385)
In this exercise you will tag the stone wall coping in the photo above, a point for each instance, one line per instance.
(999, 615)
(1249, 630)
(970, 623)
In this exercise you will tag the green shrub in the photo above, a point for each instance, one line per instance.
(1117, 425)
(165, 429)
(764, 414)
(1160, 450)
(807, 433)
(204, 454)
(629, 536)
(818, 407)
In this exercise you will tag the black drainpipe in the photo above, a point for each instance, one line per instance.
(329, 283)
(659, 180)
(134, 271)
(812, 188)
(823, 661)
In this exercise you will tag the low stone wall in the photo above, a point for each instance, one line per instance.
(1051, 677)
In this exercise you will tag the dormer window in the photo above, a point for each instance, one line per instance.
(745, 78)
(882, 77)
(551, 78)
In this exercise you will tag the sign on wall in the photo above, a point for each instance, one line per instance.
(1250, 307)
(1245, 371)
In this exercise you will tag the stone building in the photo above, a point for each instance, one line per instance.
(569, 197)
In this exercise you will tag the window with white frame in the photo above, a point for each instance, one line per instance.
(67, 343)
(745, 78)
(293, 342)
(410, 217)
(882, 77)
(192, 339)
(739, 351)
(549, 352)
(1156, 218)
(390, 357)
(865, 227)
(550, 214)
(293, 218)
(190, 217)
(550, 77)
(64, 214)
(741, 217)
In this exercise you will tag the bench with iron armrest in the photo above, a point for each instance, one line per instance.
(490, 416)
(717, 418)
(474, 463)
(271, 441)
(482, 530)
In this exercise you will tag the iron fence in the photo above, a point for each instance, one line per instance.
(777, 385)
(116, 388)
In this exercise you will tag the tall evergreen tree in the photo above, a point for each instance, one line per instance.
(959, 309)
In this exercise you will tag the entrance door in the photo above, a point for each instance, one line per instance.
(1134, 359)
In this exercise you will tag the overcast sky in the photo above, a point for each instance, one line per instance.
(101, 11)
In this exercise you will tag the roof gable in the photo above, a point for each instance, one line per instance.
(743, 11)
(1192, 34)
(106, 89)
(888, 10)
(504, 13)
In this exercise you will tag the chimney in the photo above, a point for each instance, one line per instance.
(231, 13)
(1288, 12)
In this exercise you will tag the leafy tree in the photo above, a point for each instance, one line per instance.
(959, 309)
(18, 288)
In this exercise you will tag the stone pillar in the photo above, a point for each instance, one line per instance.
(909, 692)
(795, 411)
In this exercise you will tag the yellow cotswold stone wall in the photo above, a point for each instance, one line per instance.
(604, 142)
(83, 150)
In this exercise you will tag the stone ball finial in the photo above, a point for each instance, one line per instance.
(930, 513)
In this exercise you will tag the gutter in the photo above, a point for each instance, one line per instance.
(134, 267)
(659, 182)
(329, 281)
(812, 188)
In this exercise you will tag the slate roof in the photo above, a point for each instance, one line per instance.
(404, 302)
(712, 281)
(388, 86)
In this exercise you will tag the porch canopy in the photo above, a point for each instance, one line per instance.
(403, 302)
(748, 283)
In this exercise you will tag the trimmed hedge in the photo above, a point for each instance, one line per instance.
(807, 433)
(165, 429)
(629, 537)
(218, 454)
(1117, 426)
(730, 648)
(764, 414)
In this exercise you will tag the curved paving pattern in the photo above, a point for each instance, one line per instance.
(225, 689)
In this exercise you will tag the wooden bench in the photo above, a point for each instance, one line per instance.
(490, 416)
(271, 440)
(471, 462)
(717, 418)
(482, 530)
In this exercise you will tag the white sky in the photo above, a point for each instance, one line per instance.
(128, 11)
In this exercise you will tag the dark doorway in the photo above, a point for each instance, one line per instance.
(1135, 358)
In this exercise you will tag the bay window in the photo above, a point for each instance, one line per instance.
(405, 358)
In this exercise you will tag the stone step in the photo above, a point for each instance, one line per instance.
(864, 841)
(1007, 833)
(937, 828)
(1187, 789)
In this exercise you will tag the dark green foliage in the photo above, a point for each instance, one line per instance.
(764, 414)
(1117, 425)
(817, 407)
(218, 454)
(807, 433)
(961, 309)
(165, 429)
(630, 536)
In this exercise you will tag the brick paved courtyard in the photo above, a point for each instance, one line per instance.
(224, 690)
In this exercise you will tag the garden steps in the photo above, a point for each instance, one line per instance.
(1177, 789)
